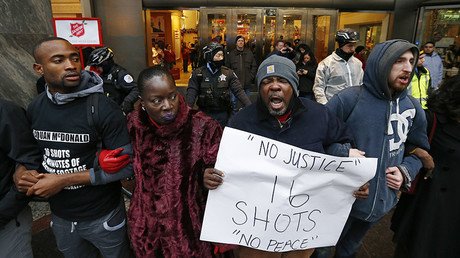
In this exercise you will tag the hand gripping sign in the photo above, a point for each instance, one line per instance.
(277, 197)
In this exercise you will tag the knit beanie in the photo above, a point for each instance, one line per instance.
(276, 65)
(238, 37)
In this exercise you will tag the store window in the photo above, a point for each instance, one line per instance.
(217, 24)
(322, 26)
(247, 27)
(442, 26)
(269, 30)
(291, 27)
(371, 35)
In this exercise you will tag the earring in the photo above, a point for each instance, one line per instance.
(143, 108)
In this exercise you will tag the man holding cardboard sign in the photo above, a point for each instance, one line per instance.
(289, 136)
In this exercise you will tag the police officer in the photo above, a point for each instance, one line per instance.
(211, 85)
(119, 84)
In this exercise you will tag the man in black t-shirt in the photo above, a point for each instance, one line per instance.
(88, 215)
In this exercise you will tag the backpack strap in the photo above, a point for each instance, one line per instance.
(92, 115)
(92, 112)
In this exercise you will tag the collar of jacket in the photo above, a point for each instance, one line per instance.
(422, 69)
(296, 106)
(345, 56)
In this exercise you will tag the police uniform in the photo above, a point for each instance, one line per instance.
(212, 92)
(119, 85)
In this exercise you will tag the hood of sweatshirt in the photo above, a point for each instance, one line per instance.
(379, 64)
(90, 83)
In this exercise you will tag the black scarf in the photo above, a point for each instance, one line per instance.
(345, 56)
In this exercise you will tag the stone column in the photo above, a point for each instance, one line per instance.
(123, 30)
(22, 25)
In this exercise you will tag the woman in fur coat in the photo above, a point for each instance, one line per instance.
(173, 145)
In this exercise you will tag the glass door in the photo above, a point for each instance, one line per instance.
(321, 31)
(248, 23)
(214, 26)
(268, 31)
(292, 24)
(262, 27)
(223, 25)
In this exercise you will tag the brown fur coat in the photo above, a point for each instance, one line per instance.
(168, 202)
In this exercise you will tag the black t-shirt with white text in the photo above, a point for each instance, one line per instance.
(69, 145)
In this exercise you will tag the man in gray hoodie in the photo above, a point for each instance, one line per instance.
(382, 119)
(70, 120)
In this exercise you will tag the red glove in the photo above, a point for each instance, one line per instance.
(111, 162)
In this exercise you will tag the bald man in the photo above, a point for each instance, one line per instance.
(88, 215)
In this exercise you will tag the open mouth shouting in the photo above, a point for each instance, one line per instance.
(276, 102)
(404, 79)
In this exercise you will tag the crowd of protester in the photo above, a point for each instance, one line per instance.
(89, 129)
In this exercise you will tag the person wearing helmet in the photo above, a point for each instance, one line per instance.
(340, 69)
(119, 84)
(211, 84)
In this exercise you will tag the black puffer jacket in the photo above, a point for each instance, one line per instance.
(244, 65)
(17, 146)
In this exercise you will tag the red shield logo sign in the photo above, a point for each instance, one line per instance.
(77, 29)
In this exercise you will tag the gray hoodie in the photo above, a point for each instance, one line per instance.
(90, 83)
(381, 123)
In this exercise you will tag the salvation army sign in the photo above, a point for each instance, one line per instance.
(277, 197)
(79, 31)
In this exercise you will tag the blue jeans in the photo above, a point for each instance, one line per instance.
(106, 235)
(350, 240)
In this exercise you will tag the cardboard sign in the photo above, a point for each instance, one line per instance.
(277, 197)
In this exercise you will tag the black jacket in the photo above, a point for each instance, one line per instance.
(243, 64)
(312, 127)
(17, 145)
(306, 81)
(119, 85)
(427, 223)
(207, 86)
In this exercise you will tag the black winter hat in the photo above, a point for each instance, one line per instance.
(211, 50)
(283, 67)
(239, 37)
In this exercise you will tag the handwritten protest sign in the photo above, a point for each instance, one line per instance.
(277, 197)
